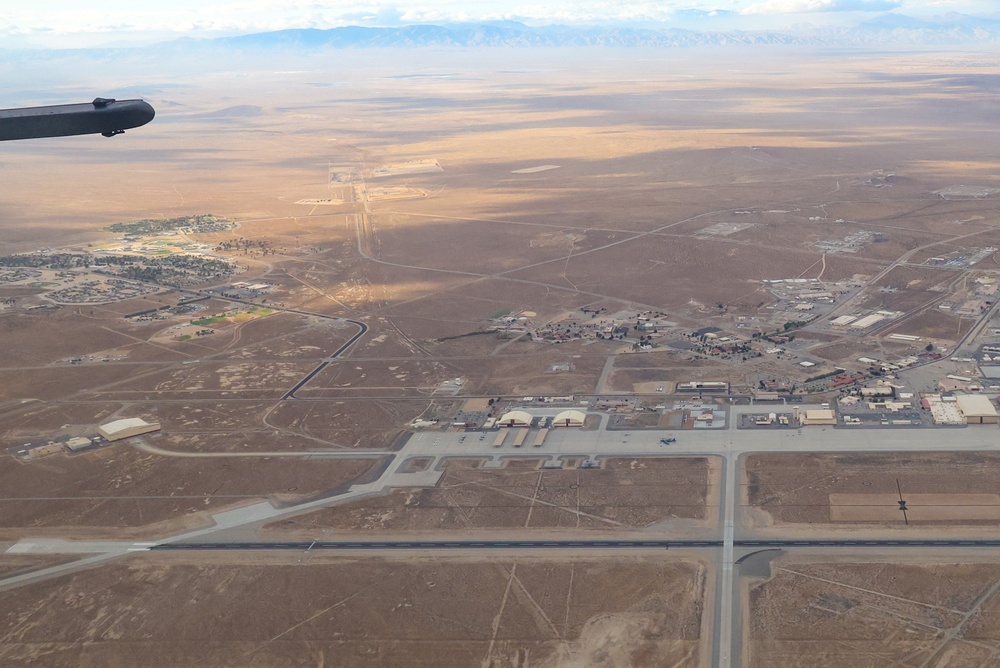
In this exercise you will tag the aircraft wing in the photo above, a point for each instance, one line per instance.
(102, 116)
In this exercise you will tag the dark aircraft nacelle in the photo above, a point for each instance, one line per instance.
(102, 116)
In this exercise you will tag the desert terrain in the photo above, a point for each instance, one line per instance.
(389, 238)
(921, 612)
(946, 493)
(675, 495)
(303, 610)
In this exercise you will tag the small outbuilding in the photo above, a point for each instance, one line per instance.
(119, 429)
(977, 409)
(78, 443)
(515, 419)
(569, 419)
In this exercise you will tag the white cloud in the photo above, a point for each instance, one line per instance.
(813, 6)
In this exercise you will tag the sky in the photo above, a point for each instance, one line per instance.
(70, 23)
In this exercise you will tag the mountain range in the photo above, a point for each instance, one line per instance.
(886, 30)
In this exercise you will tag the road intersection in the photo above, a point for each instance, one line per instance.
(237, 528)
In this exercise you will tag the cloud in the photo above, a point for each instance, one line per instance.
(813, 6)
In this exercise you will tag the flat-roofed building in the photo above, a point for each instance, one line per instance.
(867, 321)
(977, 409)
(819, 416)
(709, 386)
(119, 429)
(78, 443)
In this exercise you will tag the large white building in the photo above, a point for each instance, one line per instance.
(515, 419)
(119, 429)
(977, 409)
(818, 417)
(569, 419)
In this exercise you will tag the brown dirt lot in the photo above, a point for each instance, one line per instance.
(509, 373)
(487, 247)
(219, 379)
(624, 494)
(43, 338)
(14, 564)
(115, 490)
(641, 269)
(285, 336)
(900, 300)
(268, 611)
(57, 383)
(846, 352)
(359, 424)
(813, 614)
(632, 380)
(465, 309)
(933, 324)
(35, 420)
(909, 277)
(414, 377)
(853, 491)
(521, 375)
(238, 426)
(205, 416)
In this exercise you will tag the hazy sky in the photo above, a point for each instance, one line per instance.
(72, 23)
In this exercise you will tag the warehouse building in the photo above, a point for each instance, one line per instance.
(878, 391)
(569, 419)
(977, 409)
(819, 417)
(119, 429)
(708, 386)
(867, 321)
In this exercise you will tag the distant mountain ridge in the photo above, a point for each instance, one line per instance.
(886, 30)
(889, 29)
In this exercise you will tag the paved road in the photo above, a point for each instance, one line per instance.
(307, 454)
(362, 328)
(236, 529)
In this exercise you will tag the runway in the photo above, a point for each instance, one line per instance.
(564, 544)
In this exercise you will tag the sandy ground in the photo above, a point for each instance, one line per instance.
(817, 611)
(655, 495)
(945, 493)
(304, 609)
